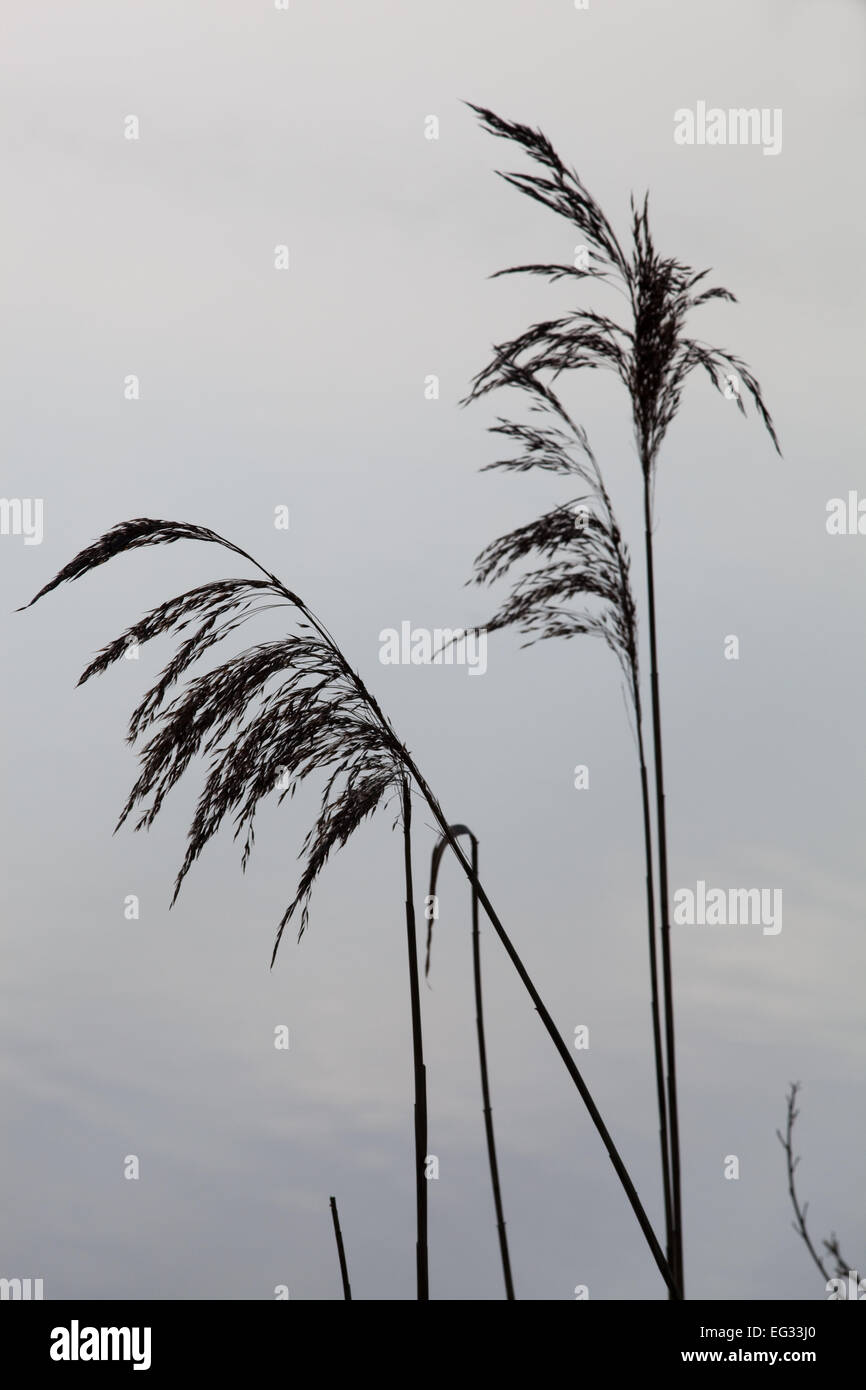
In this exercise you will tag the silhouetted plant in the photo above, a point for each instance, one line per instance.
(841, 1266)
(438, 851)
(652, 356)
(320, 718)
(259, 740)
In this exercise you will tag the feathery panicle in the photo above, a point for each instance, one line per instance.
(264, 720)
(583, 586)
(580, 542)
(208, 602)
(652, 355)
(130, 535)
(562, 189)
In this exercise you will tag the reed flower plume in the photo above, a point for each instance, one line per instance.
(579, 577)
(263, 721)
(651, 353)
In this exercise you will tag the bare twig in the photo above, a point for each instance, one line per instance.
(831, 1246)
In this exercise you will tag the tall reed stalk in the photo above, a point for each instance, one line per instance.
(418, 1056)
(676, 1217)
(652, 356)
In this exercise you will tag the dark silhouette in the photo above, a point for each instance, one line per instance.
(341, 1253)
(841, 1266)
(417, 1054)
(441, 845)
(585, 560)
(652, 357)
(321, 717)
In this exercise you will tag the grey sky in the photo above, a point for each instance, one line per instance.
(305, 388)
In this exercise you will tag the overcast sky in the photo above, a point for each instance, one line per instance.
(305, 388)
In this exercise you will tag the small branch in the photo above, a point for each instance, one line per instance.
(831, 1246)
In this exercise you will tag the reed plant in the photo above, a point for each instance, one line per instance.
(652, 354)
(265, 720)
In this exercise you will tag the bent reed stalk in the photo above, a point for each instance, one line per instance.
(458, 830)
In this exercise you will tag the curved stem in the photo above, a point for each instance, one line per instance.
(482, 1050)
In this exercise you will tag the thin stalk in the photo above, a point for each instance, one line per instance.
(632, 668)
(482, 1050)
(661, 830)
(344, 1272)
(418, 1054)
(485, 1083)
(654, 1003)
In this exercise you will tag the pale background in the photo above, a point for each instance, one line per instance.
(305, 388)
